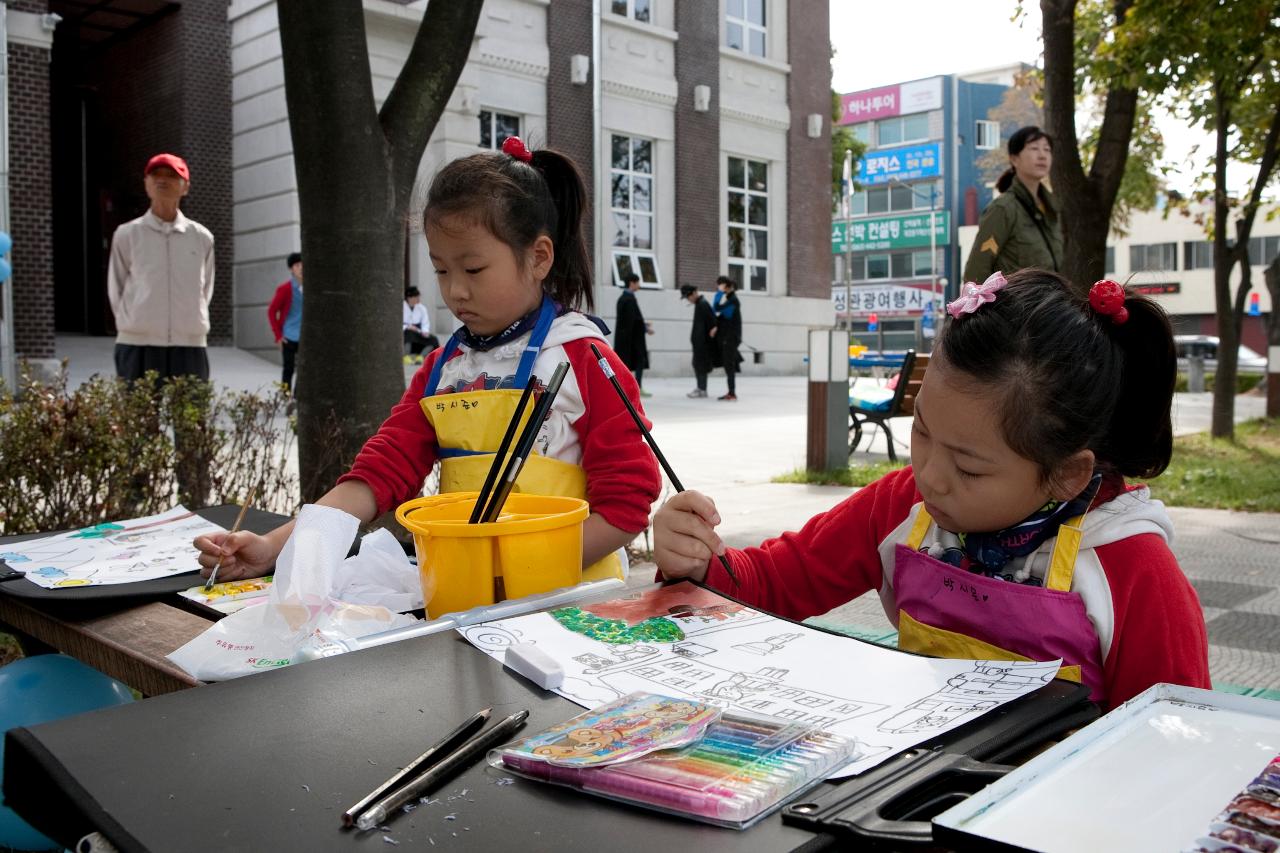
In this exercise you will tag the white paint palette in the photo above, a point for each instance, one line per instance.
(1150, 775)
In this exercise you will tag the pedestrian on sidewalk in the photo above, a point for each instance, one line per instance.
(630, 331)
(160, 281)
(727, 331)
(704, 322)
(1022, 227)
(285, 316)
(417, 327)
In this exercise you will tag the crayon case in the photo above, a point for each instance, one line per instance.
(738, 770)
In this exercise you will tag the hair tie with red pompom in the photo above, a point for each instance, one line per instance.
(1106, 297)
(513, 146)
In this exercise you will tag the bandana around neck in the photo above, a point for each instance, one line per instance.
(484, 343)
(990, 553)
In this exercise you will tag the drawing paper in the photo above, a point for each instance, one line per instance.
(682, 640)
(138, 549)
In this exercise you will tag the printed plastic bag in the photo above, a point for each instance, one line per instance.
(303, 602)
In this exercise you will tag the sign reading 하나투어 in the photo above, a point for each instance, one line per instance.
(900, 164)
(892, 232)
(887, 101)
(881, 298)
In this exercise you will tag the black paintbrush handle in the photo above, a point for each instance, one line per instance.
(653, 445)
(477, 512)
(524, 445)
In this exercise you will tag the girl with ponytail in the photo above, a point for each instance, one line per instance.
(1014, 534)
(505, 233)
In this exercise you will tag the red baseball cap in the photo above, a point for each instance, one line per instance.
(173, 161)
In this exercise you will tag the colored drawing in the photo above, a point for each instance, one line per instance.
(616, 631)
(686, 642)
(115, 552)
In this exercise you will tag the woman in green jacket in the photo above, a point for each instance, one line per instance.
(1022, 227)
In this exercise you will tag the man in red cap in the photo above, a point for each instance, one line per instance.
(160, 281)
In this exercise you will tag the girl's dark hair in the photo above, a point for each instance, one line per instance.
(1068, 379)
(1020, 139)
(519, 202)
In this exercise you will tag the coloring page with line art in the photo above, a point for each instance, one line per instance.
(682, 640)
(114, 552)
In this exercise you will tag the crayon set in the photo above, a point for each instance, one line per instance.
(740, 769)
(1251, 822)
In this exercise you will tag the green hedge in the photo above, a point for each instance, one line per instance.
(1244, 382)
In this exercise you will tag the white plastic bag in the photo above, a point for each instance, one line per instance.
(304, 600)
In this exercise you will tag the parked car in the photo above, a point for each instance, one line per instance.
(1206, 346)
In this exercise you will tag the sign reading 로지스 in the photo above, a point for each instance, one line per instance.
(880, 298)
(900, 164)
(891, 232)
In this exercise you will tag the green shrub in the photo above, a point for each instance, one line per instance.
(1244, 382)
(109, 450)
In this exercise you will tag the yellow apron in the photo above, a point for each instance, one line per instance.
(469, 426)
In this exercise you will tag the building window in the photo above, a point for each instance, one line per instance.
(896, 265)
(1110, 264)
(862, 133)
(748, 223)
(1263, 250)
(637, 10)
(631, 205)
(1153, 257)
(495, 127)
(896, 131)
(987, 135)
(744, 26)
(896, 198)
(1197, 255)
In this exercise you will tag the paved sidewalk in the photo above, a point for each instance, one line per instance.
(732, 451)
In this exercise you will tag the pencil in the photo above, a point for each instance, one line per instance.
(662, 460)
(213, 575)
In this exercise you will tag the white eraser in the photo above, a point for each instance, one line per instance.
(534, 664)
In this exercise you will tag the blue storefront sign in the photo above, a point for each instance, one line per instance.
(907, 163)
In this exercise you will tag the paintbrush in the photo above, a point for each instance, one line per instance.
(662, 460)
(213, 575)
(524, 445)
(482, 499)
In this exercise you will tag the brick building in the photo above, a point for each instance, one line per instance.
(95, 88)
(704, 133)
(705, 139)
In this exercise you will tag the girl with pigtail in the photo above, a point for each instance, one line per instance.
(505, 234)
(1014, 534)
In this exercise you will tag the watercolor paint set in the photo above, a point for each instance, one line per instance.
(681, 757)
(1250, 823)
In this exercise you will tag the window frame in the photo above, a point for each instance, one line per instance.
(747, 27)
(987, 131)
(630, 10)
(901, 121)
(1145, 251)
(493, 113)
(746, 264)
(630, 257)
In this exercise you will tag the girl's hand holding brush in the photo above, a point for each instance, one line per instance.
(684, 536)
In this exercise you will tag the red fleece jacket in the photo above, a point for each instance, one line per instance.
(1159, 631)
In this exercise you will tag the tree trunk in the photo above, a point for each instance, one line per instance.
(355, 172)
(1086, 199)
(1272, 379)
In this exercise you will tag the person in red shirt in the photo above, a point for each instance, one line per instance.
(284, 314)
(505, 235)
(1013, 535)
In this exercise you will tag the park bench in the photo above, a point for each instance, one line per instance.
(877, 409)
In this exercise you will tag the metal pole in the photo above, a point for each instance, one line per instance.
(933, 254)
(848, 240)
(8, 369)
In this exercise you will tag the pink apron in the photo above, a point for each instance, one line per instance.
(946, 611)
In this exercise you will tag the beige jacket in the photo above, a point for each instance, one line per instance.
(160, 281)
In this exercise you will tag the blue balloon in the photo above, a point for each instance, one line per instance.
(5, 270)
(6, 242)
(37, 690)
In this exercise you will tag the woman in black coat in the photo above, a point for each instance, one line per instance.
(628, 339)
(704, 322)
(728, 330)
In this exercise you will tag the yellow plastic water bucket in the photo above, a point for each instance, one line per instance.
(534, 546)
